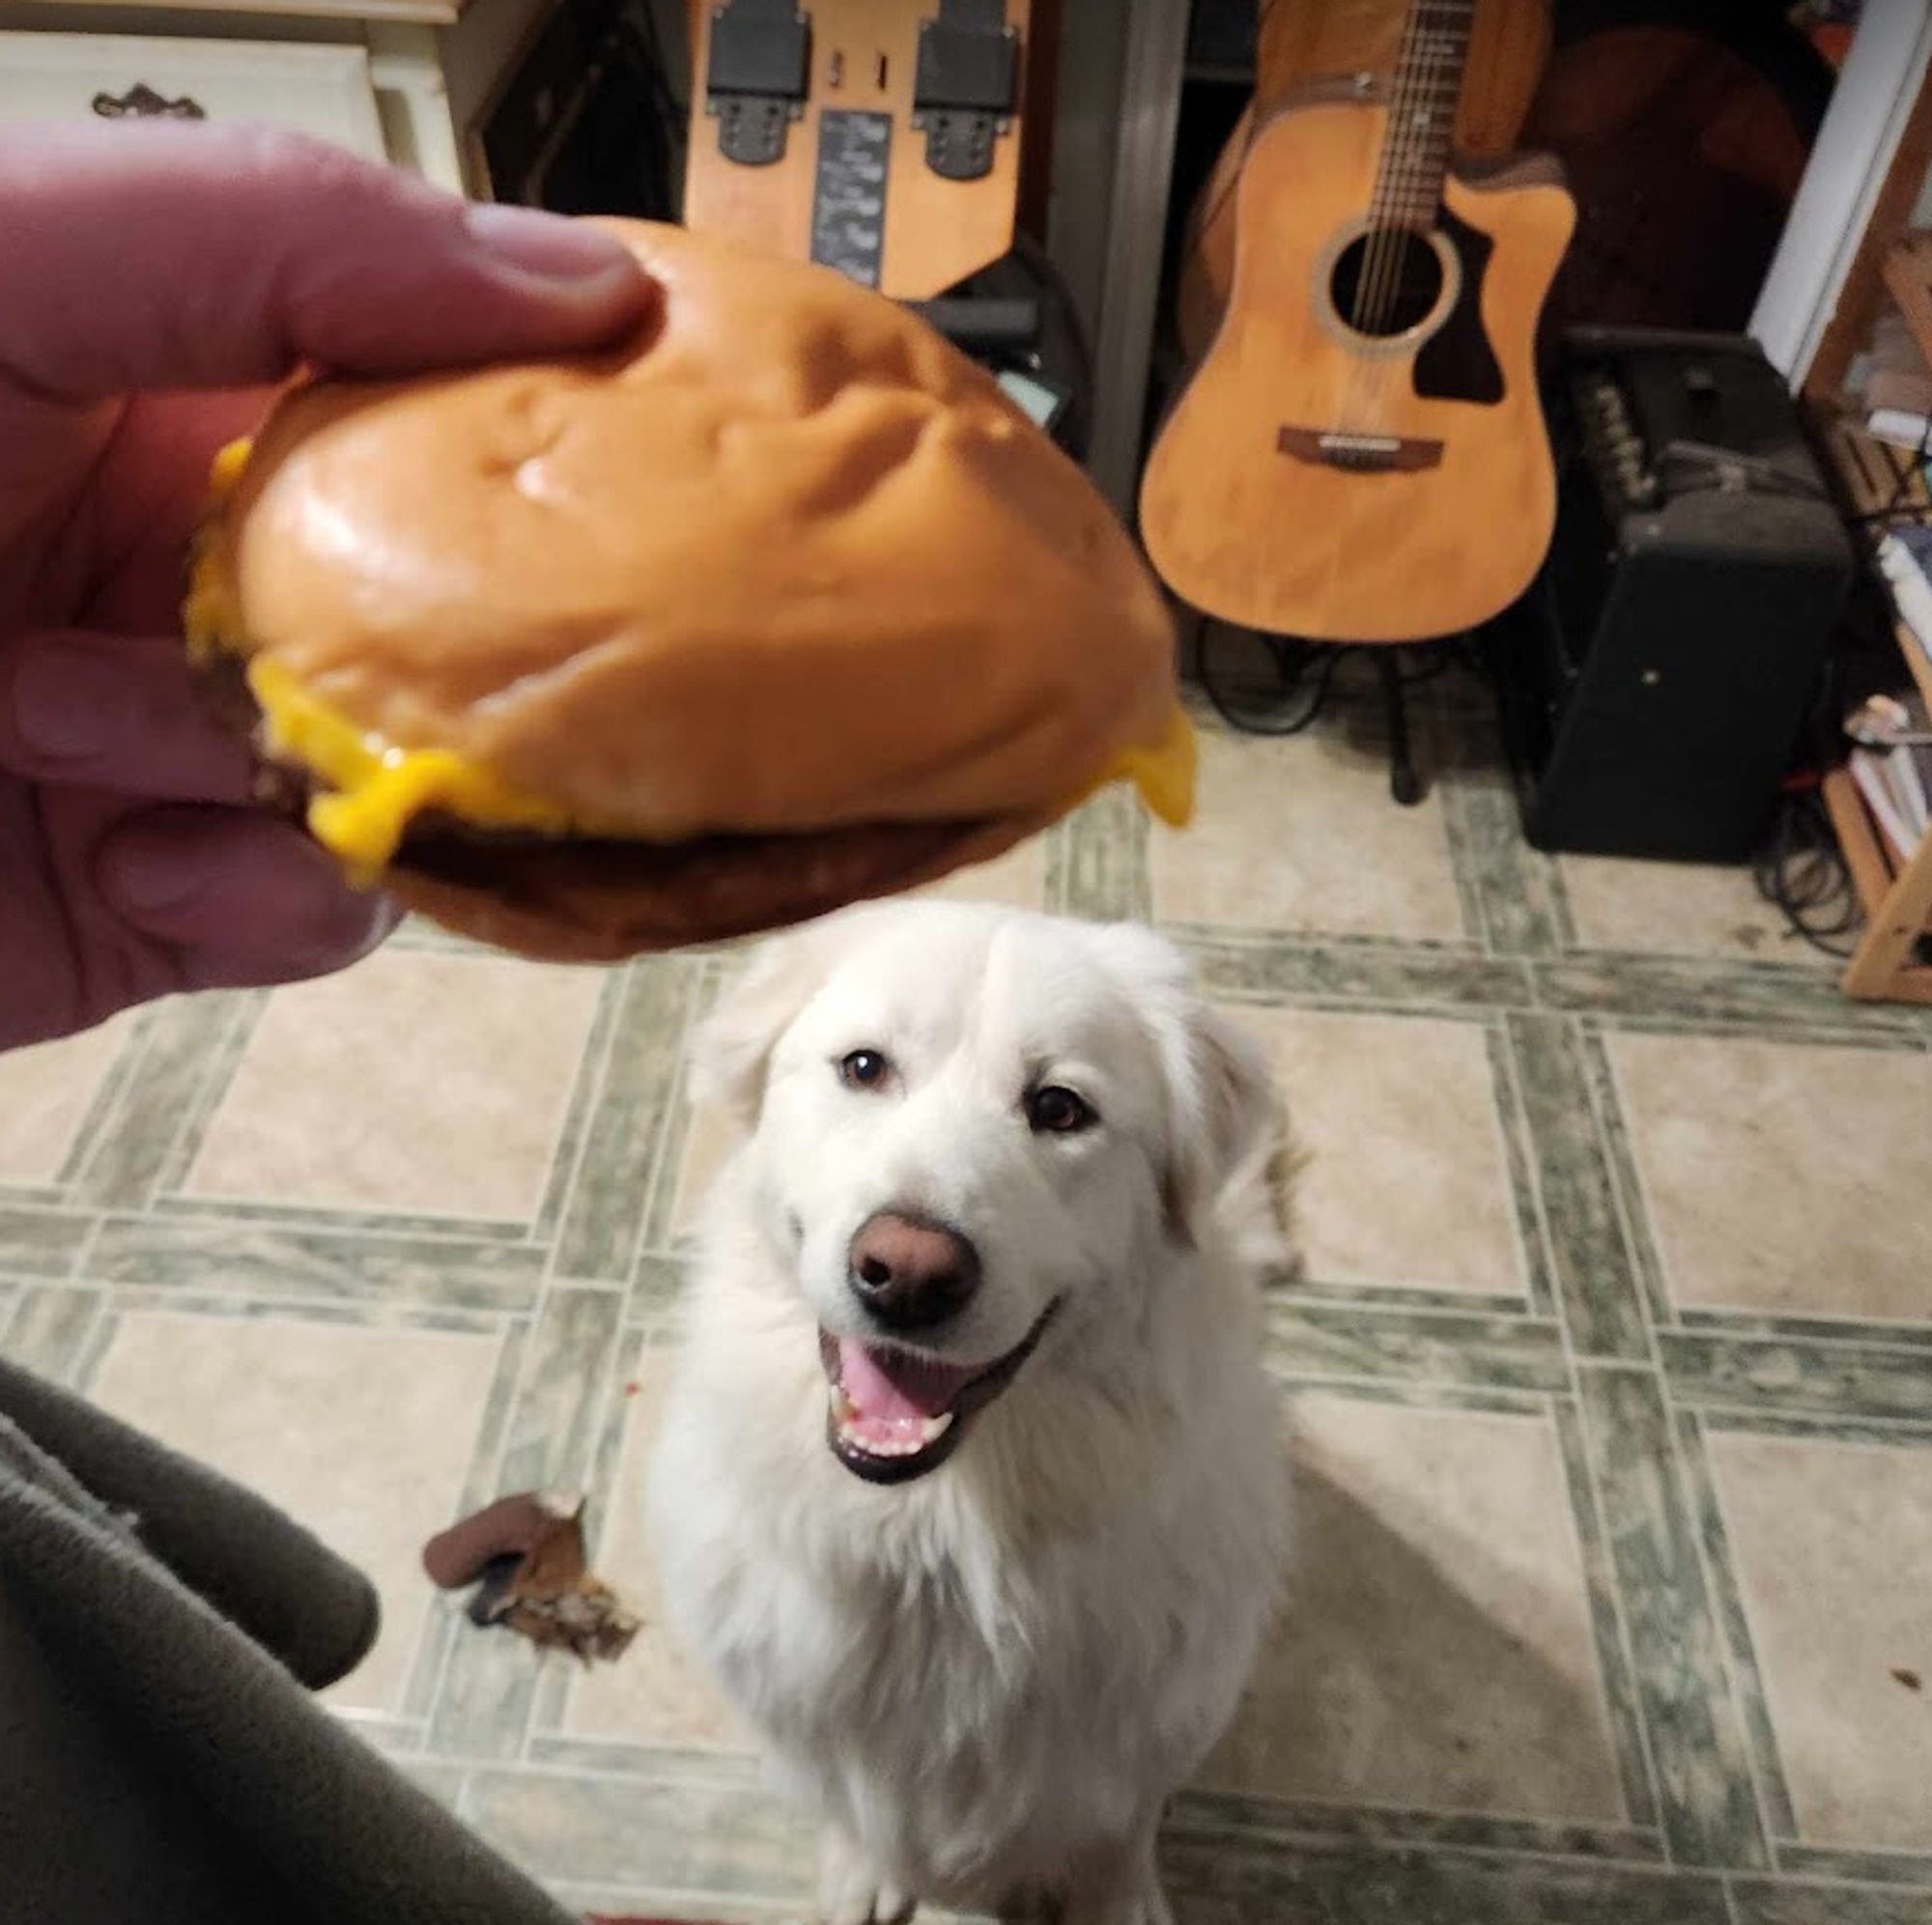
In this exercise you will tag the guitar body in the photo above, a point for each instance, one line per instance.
(1301, 41)
(1393, 485)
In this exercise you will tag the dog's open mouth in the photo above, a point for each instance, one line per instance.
(896, 1414)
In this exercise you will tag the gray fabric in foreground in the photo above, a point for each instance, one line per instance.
(160, 1762)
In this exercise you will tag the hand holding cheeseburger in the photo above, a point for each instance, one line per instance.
(778, 605)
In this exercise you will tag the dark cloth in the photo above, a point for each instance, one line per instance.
(160, 1760)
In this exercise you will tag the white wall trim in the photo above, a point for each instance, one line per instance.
(1876, 88)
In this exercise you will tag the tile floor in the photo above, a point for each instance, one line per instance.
(1611, 1353)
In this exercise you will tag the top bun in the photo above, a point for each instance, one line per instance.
(784, 561)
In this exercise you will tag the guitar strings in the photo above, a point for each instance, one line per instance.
(1424, 112)
(1383, 253)
(1414, 111)
(1367, 391)
(1359, 308)
(1425, 63)
(1416, 79)
(1429, 51)
(1356, 396)
(1374, 248)
(1416, 134)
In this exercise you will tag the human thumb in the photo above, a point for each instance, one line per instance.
(176, 255)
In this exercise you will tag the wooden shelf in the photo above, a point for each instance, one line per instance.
(1867, 852)
(1873, 475)
(1908, 274)
(1898, 901)
(1896, 897)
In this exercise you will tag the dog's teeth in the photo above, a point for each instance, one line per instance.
(880, 1447)
(907, 1442)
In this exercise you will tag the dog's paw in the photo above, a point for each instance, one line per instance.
(850, 1892)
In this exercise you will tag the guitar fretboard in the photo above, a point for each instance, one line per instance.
(1427, 92)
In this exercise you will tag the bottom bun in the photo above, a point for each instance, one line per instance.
(599, 902)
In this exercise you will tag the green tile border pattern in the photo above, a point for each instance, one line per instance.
(1633, 1387)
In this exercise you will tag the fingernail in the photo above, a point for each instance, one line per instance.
(549, 245)
(69, 703)
(166, 873)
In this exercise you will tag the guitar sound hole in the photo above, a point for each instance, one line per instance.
(1386, 282)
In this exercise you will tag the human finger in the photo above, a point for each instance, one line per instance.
(118, 713)
(242, 899)
(177, 255)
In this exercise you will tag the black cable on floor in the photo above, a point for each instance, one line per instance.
(1303, 671)
(1801, 872)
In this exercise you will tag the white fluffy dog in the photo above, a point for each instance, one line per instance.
(971, 1485)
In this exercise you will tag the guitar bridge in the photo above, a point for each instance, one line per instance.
(757, 78)
(965, 86)
(1362, 452)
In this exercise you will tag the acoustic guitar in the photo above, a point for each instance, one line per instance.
(1298, 40)
(1362, 455)
(879, 137)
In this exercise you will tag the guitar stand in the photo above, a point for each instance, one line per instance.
(1405, 784)
(1304, 672)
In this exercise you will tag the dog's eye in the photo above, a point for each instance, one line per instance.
(864, 1070)
(1058, 1109)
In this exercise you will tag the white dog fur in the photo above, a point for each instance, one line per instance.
(987, 1682)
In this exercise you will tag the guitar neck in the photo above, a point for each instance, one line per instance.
(1423, 103)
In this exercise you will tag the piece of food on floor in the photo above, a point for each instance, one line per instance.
(527, 1563)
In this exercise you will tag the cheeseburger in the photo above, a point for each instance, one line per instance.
(778, 605)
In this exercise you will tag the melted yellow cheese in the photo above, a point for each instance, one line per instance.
(373, 788)
(210, 618)
(1164, 774)
(226, 472)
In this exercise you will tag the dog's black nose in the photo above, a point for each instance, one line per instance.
(911, 1273)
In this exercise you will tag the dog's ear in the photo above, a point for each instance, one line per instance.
(1225, 1125)
(1230, 1136)
(731, 1048)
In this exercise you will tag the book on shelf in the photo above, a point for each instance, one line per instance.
(1901, 427)
(1880, 784)
(1892, 763)
(1905, 560)
(1907, 770)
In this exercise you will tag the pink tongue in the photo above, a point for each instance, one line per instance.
(889, 1385)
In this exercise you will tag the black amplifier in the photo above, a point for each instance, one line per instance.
(1657, 675)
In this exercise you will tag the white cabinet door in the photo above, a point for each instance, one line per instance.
(320, 90)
